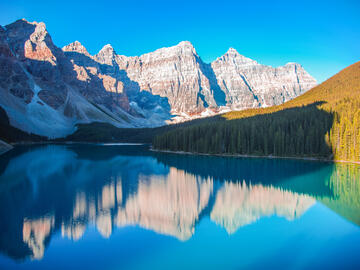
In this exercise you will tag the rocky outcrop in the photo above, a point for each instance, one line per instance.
(46, 90)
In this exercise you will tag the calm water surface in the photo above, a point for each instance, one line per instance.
(124, 207)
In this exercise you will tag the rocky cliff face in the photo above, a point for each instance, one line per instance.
(248, 84)
(194, 88)
(176, 73)
(47, 90)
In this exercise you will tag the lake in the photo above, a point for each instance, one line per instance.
(88, 206)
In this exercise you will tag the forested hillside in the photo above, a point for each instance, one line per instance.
(324, 122)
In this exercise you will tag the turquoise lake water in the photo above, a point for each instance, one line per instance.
(125, 207)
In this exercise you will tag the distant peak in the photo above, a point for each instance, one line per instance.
(77, 43)
(75, 46)
(186, 46)
(233, 56)
(107, 47)
(293, 64)
(185, 43)
(38, 24)
(232, 51)
(106, 55)
(107, 50)
(23, 22)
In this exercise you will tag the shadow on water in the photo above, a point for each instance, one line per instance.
(45, 189)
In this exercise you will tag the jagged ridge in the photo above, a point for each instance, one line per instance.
(46, 90)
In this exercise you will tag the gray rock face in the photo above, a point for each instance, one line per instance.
(47, 90)
(248, 84)
(192, 86)
(176, 73)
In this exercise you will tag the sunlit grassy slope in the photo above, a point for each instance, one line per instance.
(323, 122)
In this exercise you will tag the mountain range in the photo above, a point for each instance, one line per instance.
(46, 90)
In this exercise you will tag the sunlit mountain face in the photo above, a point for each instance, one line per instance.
(62, 190)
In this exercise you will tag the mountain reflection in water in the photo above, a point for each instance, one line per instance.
(46, 189)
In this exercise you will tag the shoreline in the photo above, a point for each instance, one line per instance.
(187, 153)
(75, 142)
(12, 145)
(254, 156)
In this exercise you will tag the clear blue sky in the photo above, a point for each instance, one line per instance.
(323, 36)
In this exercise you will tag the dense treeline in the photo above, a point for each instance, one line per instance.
(324, 122)
(292, 132)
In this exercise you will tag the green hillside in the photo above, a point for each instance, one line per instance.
(324, 122)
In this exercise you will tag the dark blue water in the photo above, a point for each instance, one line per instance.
(125, 207)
